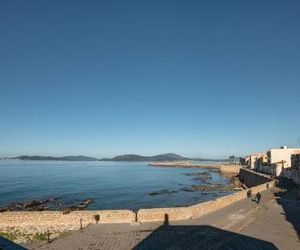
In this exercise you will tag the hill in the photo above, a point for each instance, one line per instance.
(51, 158)
(125, 157)
(134, 157)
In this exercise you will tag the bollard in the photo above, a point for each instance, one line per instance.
(97, 218)
(48, 236)
(81, 224)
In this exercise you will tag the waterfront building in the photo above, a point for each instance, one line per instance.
(295, 161)
(293, 172)
(282, 156)
(253, 161)
(276, 160)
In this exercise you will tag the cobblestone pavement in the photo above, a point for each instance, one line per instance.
(273, 224)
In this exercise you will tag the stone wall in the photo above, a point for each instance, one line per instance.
(204, 208)
(198, 210)
(291, 174)
(158, 214)
(252, 178)
(230, 169)
(56, 221)
(274, 169)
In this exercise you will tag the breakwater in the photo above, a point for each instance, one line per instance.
(230, 169)
(175, 164)
(55, 221)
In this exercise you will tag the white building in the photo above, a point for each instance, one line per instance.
(293, 173)
(276, 160)
(282, 155)
(254, 160)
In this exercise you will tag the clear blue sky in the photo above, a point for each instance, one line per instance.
(100, 78)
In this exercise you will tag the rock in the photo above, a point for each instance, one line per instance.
(81, 206)
(85, 203)
(163, 191)
(209, 188)
(206, 173)
(31, 205)
(201, 176)
(204, 179)
(187, 189)
(235, 182)
(70, 209)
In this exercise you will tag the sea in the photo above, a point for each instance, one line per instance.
(111, 185)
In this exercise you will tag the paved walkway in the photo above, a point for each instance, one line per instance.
(273, 224)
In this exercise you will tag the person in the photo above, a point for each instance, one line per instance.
(249, 193)
(258, 197)
(166, 220)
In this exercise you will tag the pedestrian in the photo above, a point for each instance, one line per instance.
(258, 197)
(249, 193)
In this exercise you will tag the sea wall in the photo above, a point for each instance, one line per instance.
(159, 214)
(198, 210)
(230, 169)
(252, 178)
(183, 164)
(56, 221)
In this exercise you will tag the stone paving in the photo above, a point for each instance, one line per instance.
(272, 224)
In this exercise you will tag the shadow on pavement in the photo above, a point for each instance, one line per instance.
(6, 244)
(288, 199)
(199, 237)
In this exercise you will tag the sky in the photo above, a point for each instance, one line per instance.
(102, 78)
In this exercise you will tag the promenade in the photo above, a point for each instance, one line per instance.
(273, 224)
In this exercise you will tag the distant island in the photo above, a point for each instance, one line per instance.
(125, 157)
(52, 158)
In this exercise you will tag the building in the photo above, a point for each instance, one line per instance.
(253, 161)
(295, 161)
(293, 173)
(274, 161)
(282, 156)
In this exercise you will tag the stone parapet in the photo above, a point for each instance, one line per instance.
(56, 221)
(230, 169)
(159, 214)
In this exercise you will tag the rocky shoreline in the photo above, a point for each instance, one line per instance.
(55, 204)
(47, 204)
(206, 187)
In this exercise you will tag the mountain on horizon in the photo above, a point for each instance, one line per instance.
(161, 157)
(52, 158)
(125, 157)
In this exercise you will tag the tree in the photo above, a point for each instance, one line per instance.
(232, 158)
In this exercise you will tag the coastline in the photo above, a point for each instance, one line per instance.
(178, 186)
(224, 169)
(184, 164)
(25, 225)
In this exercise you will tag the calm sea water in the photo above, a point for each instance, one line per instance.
(112, 185)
